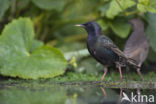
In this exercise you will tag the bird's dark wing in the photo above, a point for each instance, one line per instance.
(108, 43)
(137, 52)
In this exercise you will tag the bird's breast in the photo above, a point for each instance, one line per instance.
(100, 53)
(91, 45)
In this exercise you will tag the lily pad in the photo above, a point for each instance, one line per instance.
(19, 57)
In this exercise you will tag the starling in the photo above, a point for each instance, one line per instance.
(104, 50)
(137, 45)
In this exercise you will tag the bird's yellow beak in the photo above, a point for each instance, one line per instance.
(80, 25)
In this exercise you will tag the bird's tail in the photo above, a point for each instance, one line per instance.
(132, 63)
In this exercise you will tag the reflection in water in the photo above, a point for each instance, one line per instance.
(67, 94)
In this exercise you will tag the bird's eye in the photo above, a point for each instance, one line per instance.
(88, 25)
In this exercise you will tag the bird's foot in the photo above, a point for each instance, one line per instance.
(140, 74)
(121, 79)
(101, 80)
(142, 78)
(96, 82)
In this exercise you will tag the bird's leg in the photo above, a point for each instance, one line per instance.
(104, 92)
(120, 72)
(138, 71)
(138, 91)
(105, 72)
(120, 96)
(121, 93)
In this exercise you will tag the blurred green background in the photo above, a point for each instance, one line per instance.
(54, 20)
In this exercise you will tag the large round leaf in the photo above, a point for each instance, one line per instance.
(18, 60)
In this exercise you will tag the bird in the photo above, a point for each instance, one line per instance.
(137, 45)
(104, 50)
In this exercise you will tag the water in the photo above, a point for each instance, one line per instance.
(37, 92)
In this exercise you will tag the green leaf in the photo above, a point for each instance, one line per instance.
(103, 24)
(152, 55)
(80, 10)
(36, 44)
(21, 4)
(50, 4)
(4, 4)
(103, 9)
(18, 60)
(147, 6)
(151, 30)
(120, 27)
(115, 9)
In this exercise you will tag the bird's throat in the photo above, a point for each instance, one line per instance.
(91, 35)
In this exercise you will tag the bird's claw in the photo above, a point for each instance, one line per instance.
(96, 82)
(120, 80)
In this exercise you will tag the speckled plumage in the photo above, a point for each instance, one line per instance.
(103, 49)
(96, 47)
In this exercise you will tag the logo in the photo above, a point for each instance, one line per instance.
(137, 98)
(125, 97)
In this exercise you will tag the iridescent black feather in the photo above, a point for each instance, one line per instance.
(103, 49)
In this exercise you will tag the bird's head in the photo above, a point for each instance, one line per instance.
(91, 27)
(136, 24)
